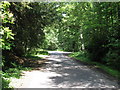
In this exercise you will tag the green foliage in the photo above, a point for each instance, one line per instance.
(12, 73)
(37, 51)
(5, 33)
(32, 57)
(91, 27)
(5, 82)
(81, 56)
(6, 36)
(31, 18)
(51, 34)
(113, 59)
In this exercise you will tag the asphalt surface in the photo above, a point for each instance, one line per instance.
(61, 71)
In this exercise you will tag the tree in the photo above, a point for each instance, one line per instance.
(31, 18)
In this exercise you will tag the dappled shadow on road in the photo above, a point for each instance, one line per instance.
(71, 74)
(60, 71)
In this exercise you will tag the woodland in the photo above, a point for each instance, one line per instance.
(89, 29)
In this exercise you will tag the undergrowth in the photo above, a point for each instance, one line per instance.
(12, 73)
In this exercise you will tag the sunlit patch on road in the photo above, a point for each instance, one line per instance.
(63, 72)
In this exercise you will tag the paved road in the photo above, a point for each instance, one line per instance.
(63, 72)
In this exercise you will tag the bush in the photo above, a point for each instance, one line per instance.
(96, 52)
(5, 80)
(113, 59)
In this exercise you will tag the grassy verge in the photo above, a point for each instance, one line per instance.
(15, 72)
(39, 52)
(33, 57)
(12, 73)
(83, 58)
